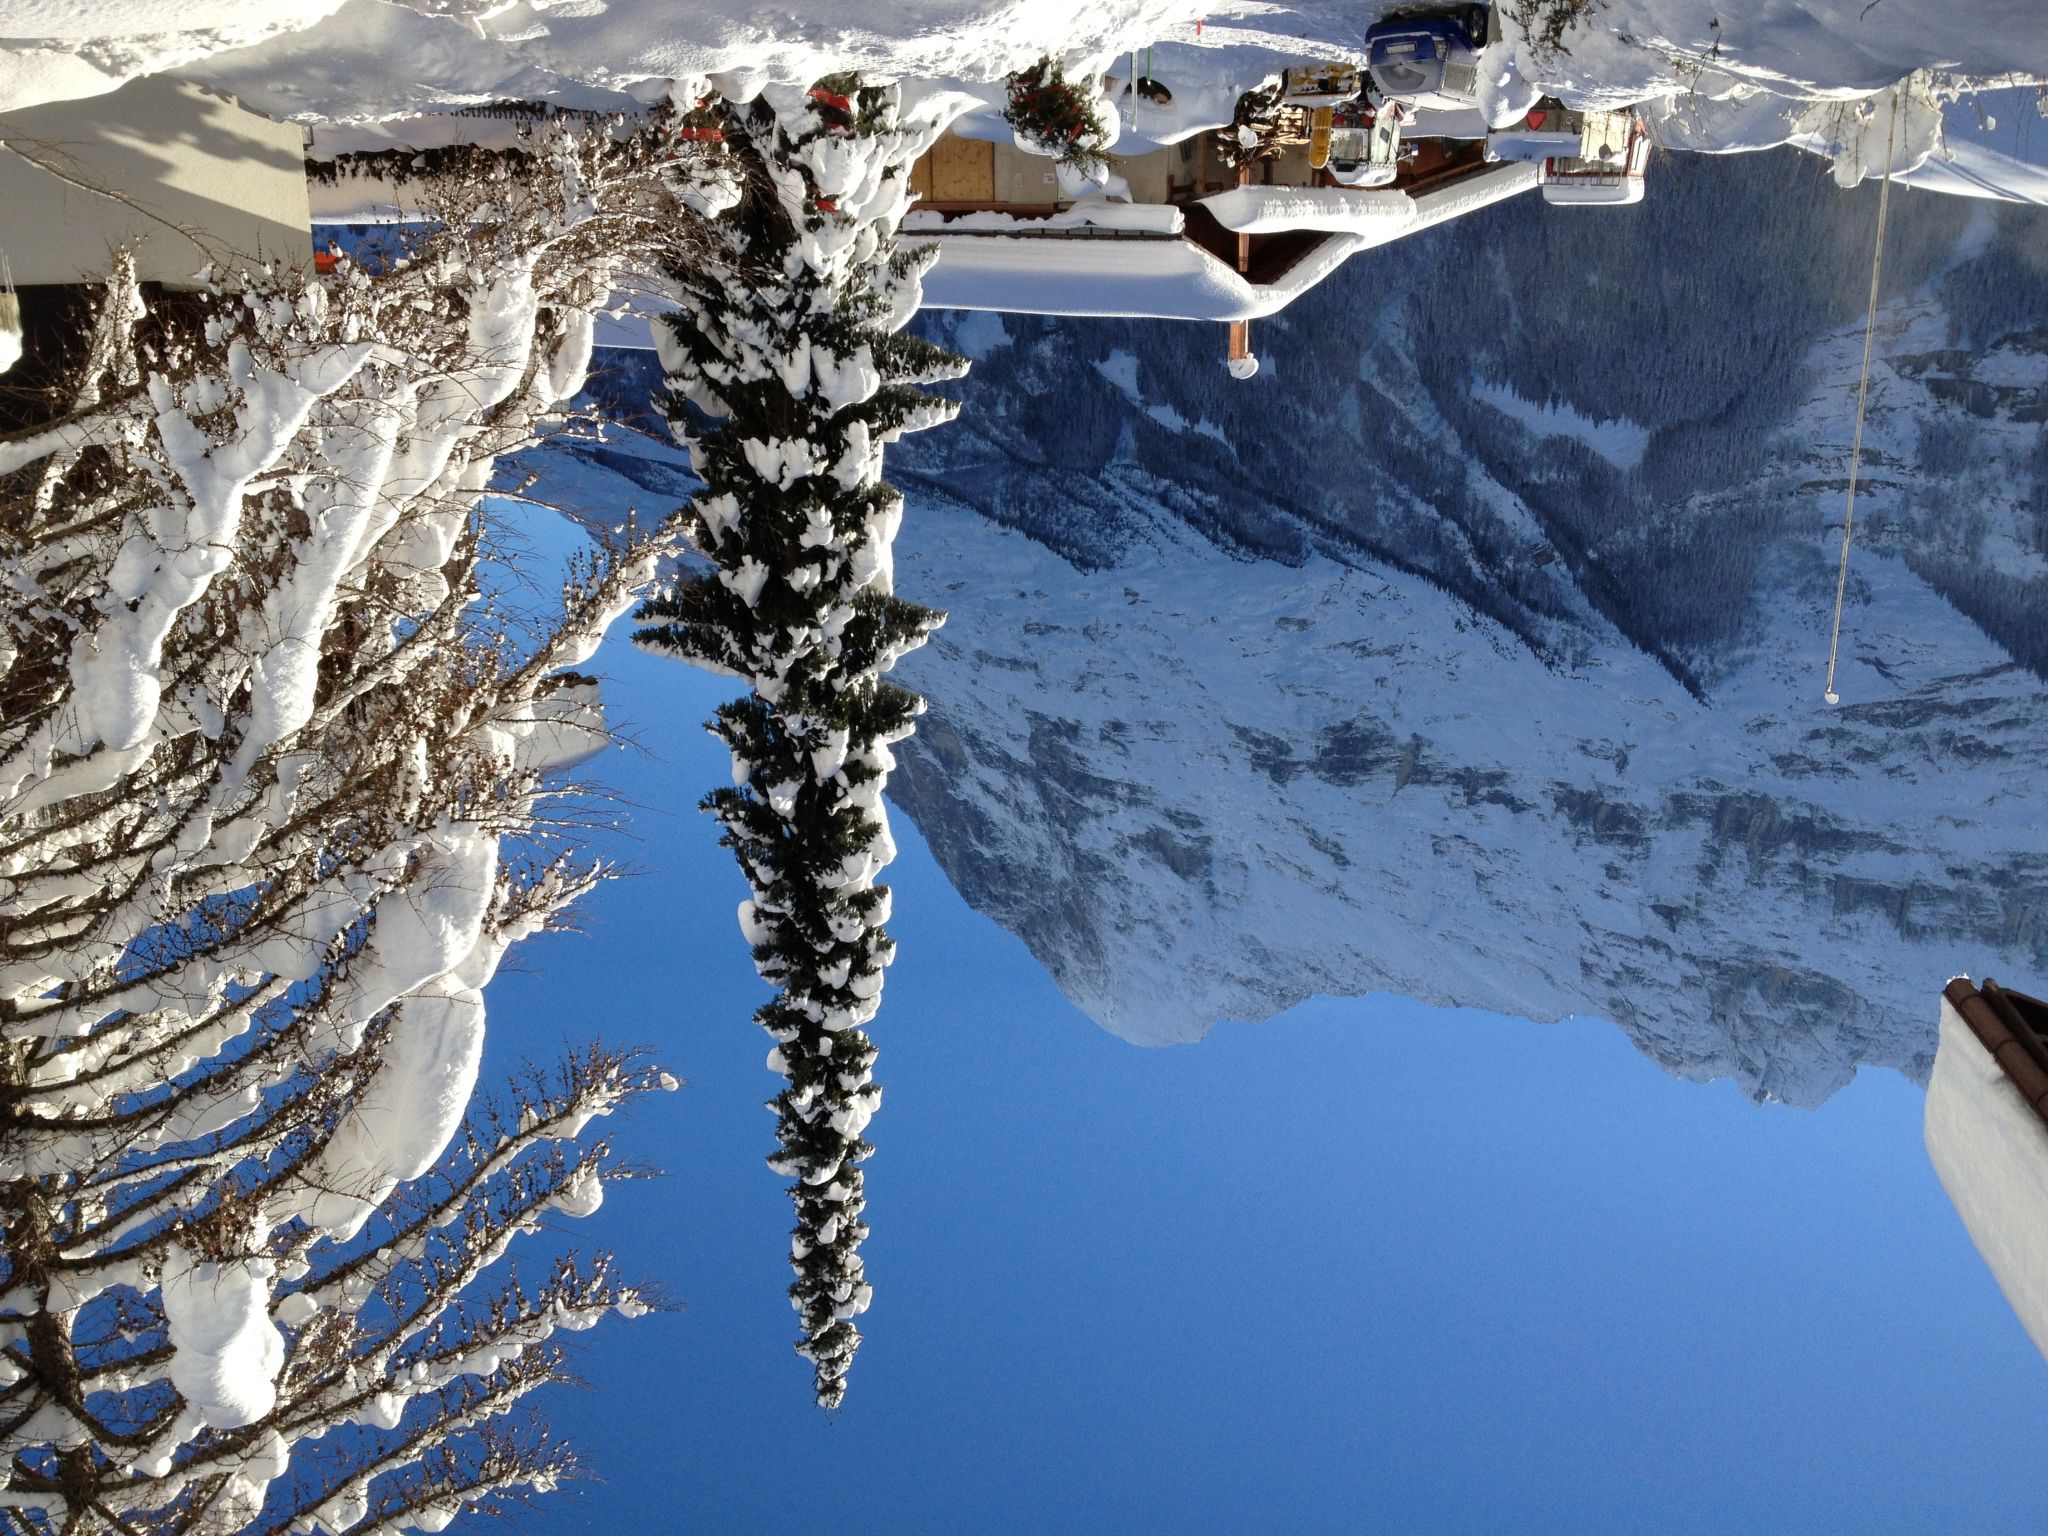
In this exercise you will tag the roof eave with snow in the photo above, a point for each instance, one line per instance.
(1990, 1150)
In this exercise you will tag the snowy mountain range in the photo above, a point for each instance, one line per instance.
(1474, 650)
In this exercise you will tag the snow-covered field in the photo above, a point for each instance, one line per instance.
(1619, 442)
(1717, 76)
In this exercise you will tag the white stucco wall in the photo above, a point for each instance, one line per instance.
(196, 179)
(1024, 179)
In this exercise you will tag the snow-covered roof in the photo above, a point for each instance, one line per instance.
(1142, 279)
(1179, 280)
(1990, 1149)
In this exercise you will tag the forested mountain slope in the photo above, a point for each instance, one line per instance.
(1473, 650)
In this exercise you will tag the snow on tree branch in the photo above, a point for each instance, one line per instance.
(275, 793)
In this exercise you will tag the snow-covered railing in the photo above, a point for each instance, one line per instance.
(1469, 193)
(1259, 210)
(1086, 217)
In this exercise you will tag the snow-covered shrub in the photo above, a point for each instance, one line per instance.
(274, 789)
(1051, 115)
(1545, 24)
(788, 375)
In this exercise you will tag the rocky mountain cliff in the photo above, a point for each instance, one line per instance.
(1473, 651)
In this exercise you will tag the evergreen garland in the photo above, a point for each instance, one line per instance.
(787, 377)
(1060, 117)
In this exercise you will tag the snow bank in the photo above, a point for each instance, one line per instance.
(1271, 210)
(371, 60)
(361, 61)
(1810, 51)
(1973, 170)
(1504, 94)
(64, 52)
(1726, 116)
(1991, 1153)
(225, 1351)
(365, 60)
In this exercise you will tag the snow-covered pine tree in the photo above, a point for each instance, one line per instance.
(789, 373)
(273, 804)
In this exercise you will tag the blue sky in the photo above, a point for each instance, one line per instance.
(1370, 1266)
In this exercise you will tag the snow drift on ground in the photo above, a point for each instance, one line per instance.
(58, 50)
(366, 59)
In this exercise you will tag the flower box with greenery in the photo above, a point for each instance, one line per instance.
(1053, 116)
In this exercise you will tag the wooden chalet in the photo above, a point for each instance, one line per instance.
(1198, 237)
(1190, 233)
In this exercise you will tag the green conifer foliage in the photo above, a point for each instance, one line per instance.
(1059, 116)
(787, 377)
